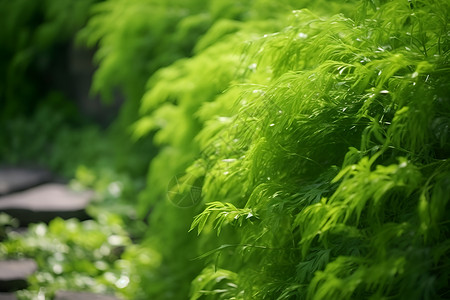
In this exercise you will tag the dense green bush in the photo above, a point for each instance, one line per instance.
(86, 253)
(322, 159)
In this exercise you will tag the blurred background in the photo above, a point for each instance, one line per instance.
(218, 137)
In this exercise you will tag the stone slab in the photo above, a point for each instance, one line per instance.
(13, 179)
(66, 295)
(45, 202)
(14, 274)
(7, 296)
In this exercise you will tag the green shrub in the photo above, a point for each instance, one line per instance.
(71, 255)
(323, 164)
(302, 148)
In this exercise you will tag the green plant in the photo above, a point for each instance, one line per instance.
(71, 255)
(363, 95)
(303, 149)
(324, 162)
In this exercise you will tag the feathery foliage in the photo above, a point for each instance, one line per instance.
(322, 156)
(303, 146)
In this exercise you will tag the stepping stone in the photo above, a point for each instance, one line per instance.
(46, 202)
(7, 296)
(13, 179)
(66, 295)
(14, 274)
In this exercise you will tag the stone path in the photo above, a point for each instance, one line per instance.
(31, 195)
(45, 202)
(14, 273)
(13, 179)
(7, 296)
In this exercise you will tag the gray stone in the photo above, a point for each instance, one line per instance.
(45, 202)
(66, 295)
(7, 296)
(14, 274)
(13, 179)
